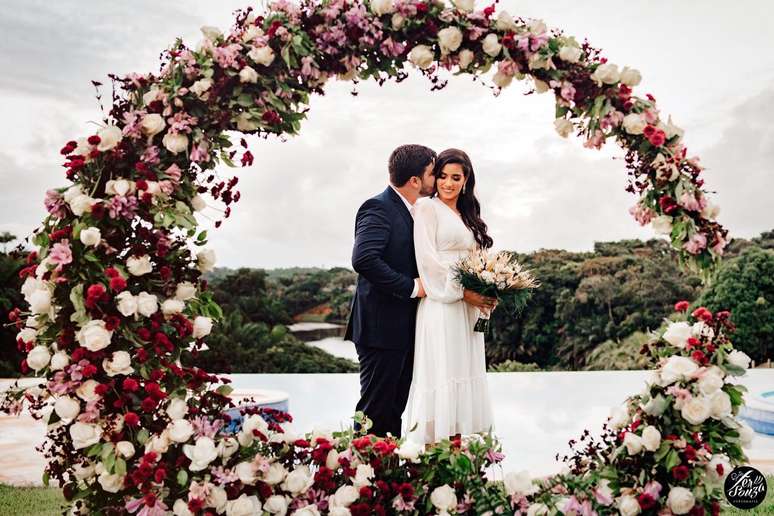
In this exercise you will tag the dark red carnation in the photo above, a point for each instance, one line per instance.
(112, 272)
(130, 384)
(131, 419)
(646, 501)
(117, 284)
(681, 306)
(94, 139)
(680, 472)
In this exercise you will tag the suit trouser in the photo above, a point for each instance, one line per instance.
(385, 379)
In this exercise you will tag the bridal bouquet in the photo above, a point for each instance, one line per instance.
(499, 276)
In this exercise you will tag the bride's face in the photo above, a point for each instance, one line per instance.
(450, 182)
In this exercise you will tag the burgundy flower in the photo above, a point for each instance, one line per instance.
(680, 472)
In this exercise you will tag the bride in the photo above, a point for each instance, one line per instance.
(449, 393)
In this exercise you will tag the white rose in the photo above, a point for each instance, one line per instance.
(246, 471)
(109, 137)
(345, 496)
(90, 236)
(570, 54)
(125, 449)
(712, 468)
(465, 58)
(87, 391)
(40, 301)
(710, 383)
(81, 204)
(339, 511)
(177, 408)
(198, 203)
(606, 73)
(243, 506)
(247, 74)
(126, 303)
(702, 329)
(502, 80)
(211, 33)
(59, 361)
(139, 265)
(410, 451)
(275, 474)
(628, 506)
(505, 22)
(421, 56)
(83, 471)
(619, 417)
(67, 407)
(444, 498)
(38, 357)
(563, 126)
(84, 434)
(746, 434)
(381, 7)
(464, 5)
(205, 260)
(710, 211)
(662, 224)
(363, 475)
(678, 333)
(217, 498)
(519, 483)
(449, 39)
(158, 443)
(739, 359)
(672, 130)
(251, 33)
(180, 430)
(180, 508)
(633, 443)
(119, 363)
(680, 500)
(200, 87)
(152, 124)
(201, 454)
(111, 482)
(28, 335)
(630, 76)
(397, 21)
(696, 410)
(634, 123)
(172, 306)
(147, 304)
(720, 404)
(227, 447)
(119, 187)
(276, 504)
(202, 326)
(491, 45)
(93, 336)
(245, 122)
(307, 510)
(262, 55)
(332, 460)
(298, 481)
(175, 142)
(677, 368)
(71, 193)
(651, 438)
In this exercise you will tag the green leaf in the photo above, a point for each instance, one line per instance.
(202, 236)
(94, 450)
(46, 478)
(224, 390)
(143, 436)
(182, 477)
(672, 459)
(120, 467)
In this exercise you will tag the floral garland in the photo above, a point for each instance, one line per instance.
(115, 293)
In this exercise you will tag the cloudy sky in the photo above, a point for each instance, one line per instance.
(708, 63)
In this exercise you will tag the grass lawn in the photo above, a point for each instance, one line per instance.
(38, 501)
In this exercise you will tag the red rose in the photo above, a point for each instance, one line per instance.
(131, 419)
(117, 284)
(689, 453)
(144, 333)
(648, 131)
(702, 314)
(95, 291)
(693, 342)
(680, 472)
(141, 184)
(112, 272)
(646, 501)
(681, 306)
(97, 210)
(165, 272)
(658, 138)
(366, 492)
(89, 370)
(94, 139)
(112, 322)
(667, 204)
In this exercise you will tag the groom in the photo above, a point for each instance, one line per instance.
(383, 315)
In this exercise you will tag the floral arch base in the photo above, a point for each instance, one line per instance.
(115, 293)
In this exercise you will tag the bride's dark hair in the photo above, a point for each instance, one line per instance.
(467, 204)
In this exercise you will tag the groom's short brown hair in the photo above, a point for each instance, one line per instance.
(408, 161)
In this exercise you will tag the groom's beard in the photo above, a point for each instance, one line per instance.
(426, 192)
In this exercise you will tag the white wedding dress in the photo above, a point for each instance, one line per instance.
(449, 392)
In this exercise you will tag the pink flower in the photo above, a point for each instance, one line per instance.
(61, 254)
(596, 141)
(696, 243)
(157, 509)
(494, 457)
(226, 56)
(508, 67)
(122, 206)
(689, 201)
(200, 152)
(720, 244)
(392, 48)
(174, 173)
(308, 69)
(54, 203)
(652, 488)
(642, 214)
(151, 155)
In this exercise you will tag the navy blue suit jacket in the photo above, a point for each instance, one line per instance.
(383, 313)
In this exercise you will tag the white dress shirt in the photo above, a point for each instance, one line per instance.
(410, 209)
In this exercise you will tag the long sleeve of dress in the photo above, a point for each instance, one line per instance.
(437, 276)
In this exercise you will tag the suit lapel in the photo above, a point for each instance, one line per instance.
(405, 215)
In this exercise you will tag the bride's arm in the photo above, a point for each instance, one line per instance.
(437, 277)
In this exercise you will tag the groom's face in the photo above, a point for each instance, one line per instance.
(428, 181)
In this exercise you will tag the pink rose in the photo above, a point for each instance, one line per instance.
(696, 243)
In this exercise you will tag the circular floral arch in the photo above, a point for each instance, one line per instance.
(115, 290)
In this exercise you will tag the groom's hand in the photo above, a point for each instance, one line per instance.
(479, 301)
